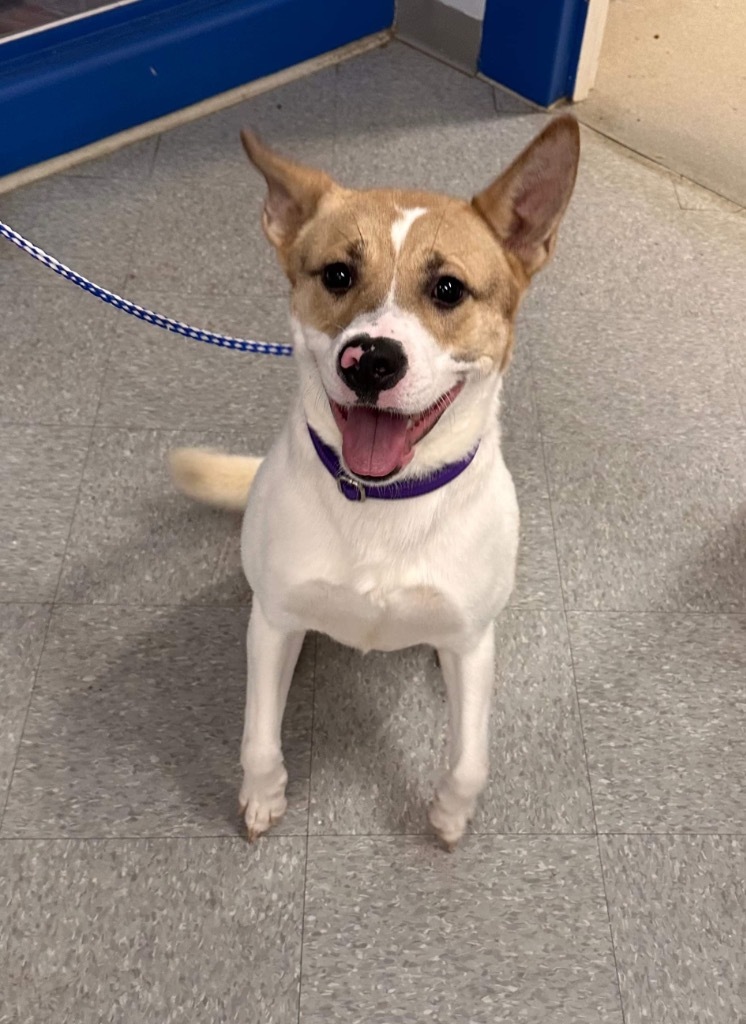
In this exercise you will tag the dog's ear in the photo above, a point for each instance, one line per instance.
(524, 206)
(293, 191)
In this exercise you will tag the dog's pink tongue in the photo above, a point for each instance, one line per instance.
(374, 443)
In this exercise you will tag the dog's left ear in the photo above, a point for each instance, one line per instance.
(525, 205)
(293, 191)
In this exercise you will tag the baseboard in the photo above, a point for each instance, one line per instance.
(440, 30)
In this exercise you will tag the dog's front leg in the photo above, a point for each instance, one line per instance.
(272, 656)
(469, 681)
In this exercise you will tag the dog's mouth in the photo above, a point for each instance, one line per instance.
(377, 443)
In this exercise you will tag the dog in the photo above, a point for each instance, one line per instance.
(384, 515)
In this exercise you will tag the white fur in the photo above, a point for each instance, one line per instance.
(435, 569)
(381, 575)
(402, 224)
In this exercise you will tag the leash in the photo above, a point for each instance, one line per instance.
(157, 319)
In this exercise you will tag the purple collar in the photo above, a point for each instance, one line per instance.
(356, 490)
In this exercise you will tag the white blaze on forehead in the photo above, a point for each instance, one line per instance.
(399, 231)
(402, 224)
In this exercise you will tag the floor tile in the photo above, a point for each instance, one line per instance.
(519, 417)
(22, 629)
(611, 172)
(503, 930)
(217, 249)
(88, 224)
(537, 575)
(135, 540)
(736, 354)
(52, 361)
(664, 717)
(198, 931)
(406, 121)
(735, 349)
(40, 469)
(614, 255)
(134, 728)
(717, 240)
(297, 119)
(692, 196)
(630, 377)
(379, 729)
(157, 379)
(635, 249)
(650, 528)
(678, 913)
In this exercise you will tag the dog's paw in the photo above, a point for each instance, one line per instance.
(260, 817)
(453, 808)
(449, 824)
(262, 802)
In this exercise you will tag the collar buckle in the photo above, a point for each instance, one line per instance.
(347, 484)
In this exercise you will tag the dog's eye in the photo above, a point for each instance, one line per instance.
(338, 278)
(448, 291)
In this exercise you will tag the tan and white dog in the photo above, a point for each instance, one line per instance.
(384, 515)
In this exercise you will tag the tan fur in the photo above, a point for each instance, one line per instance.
(212, 477)
(355, 228)
(293, 193)
(493, 244)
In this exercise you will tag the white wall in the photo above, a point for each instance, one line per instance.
(474, 8)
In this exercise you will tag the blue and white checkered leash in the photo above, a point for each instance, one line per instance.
(175, 326)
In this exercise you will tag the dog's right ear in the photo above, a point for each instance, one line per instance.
(293, 191)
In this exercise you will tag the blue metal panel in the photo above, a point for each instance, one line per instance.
(533, 46)
(73, 84)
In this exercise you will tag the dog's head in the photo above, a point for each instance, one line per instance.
(403, 303)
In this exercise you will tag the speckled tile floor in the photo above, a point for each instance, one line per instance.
(604, 876)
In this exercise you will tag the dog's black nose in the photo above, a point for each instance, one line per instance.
(370, 365)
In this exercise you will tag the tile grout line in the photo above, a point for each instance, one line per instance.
(343, 836)
(535, 401)
(582, 727)
(313, 728)
(569, 641)
(11, 775)
(655, 165)
(154, 158)
(528, 607)
(76, 503)
(52, 606)
(611, 928)
(302, 924)
(730, 364)
(308, 828)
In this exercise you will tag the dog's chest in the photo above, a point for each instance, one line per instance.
(372, 613)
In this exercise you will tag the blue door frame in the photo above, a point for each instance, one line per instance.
(533, 46)
(74, 83)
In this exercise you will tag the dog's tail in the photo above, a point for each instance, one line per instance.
(214, 477)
